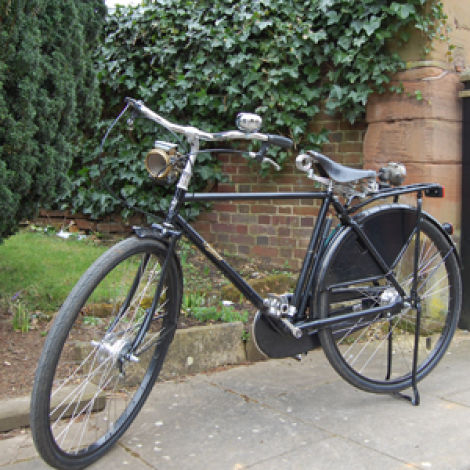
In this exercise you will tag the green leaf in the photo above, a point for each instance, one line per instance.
(344, 42)
(336, 92)
(372, 25)
(403, 11)
(318, 36)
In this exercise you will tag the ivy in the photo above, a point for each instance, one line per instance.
(199, 62)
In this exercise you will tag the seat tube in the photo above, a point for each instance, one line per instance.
(312, 252)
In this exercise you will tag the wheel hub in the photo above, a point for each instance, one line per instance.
(389, 296)
(115, 349)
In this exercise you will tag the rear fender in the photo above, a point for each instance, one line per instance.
(388, 227)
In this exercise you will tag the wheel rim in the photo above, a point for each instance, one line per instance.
(98, 385)
(378, 350)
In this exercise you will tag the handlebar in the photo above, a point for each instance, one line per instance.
(280, 141)
(194, 133)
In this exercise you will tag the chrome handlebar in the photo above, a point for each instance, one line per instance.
(193, 133)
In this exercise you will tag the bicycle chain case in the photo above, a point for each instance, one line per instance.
(272, 339)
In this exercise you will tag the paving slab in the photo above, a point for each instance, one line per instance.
(217, 419)
(428, 436)
(287, 415)
(16, 449)
(335, 453)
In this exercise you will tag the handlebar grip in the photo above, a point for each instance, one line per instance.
(280, 141)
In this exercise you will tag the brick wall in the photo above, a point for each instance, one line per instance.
(276, 231)
(77, 222)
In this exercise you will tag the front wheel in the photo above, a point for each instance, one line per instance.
(88, 387)
(376, 353)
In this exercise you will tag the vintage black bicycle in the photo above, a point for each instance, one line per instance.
(381, 292)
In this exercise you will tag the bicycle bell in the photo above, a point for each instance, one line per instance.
(393, 173)
(159, 160)
(248, 122)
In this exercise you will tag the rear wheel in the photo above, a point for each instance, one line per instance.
(88, 387)
(376, 353)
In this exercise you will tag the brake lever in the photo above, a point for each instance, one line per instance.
(259, 156)
(272, 162)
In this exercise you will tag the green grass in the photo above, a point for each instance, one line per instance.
(218, 313)
(42, 269)
(21, 318)
(38, 271)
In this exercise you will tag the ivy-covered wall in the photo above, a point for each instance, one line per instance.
(202, 62)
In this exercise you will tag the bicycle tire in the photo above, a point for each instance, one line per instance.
(86, 391)
(375, 354)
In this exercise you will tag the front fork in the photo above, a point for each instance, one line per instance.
(166, 231)
(160, 233)
(150, 312)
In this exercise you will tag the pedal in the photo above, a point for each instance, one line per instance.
(279, 307)
(293, 330)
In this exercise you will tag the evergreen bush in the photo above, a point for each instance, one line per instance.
(49, 99)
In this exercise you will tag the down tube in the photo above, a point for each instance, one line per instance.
(219, 262)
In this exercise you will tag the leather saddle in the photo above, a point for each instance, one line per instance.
(340, 173)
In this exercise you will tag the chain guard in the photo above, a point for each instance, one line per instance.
(272, 339)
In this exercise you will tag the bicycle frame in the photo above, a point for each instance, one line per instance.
(290, 309)
(317, 244)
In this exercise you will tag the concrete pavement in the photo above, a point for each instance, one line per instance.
(287, 415)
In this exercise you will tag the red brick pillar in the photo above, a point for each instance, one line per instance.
(421, 128)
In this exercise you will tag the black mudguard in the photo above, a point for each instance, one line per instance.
(156, 234)
(387, 226)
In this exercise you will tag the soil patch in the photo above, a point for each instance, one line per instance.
(19, 356)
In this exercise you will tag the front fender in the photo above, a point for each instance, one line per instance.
(156, 232)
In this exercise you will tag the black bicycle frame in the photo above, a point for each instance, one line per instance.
(317, 244)
(224, 267)
(303, 292)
